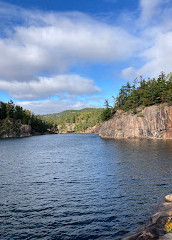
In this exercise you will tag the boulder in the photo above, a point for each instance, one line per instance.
(168, 198)
(156, 229)
(167, 236)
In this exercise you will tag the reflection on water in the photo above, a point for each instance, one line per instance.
(80, 186)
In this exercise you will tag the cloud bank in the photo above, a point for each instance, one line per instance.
(57, 42)
(41, 51)
(156, 36)
(55, 106)
(44, 87)
(149, 9)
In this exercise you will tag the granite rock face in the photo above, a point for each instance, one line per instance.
(150, 122)
(66, 128)
(166, 237)
(15, 129)
(156, 229)
(70, 128)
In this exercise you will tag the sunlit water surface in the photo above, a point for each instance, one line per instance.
(79, 186)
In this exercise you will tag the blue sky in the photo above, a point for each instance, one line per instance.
(70, 54)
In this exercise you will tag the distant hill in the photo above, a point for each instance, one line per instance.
(65, 115)
(74, 120)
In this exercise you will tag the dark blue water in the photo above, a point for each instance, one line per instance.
(79, 186)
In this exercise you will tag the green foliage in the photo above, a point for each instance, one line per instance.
(68, 115)
(3, 111)
(140, 115)
(145, 93)
(14, 112)
(106, 114)
(82, 119)
(7, 125)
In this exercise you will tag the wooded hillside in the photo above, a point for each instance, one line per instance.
(14, 112)
(80, 119)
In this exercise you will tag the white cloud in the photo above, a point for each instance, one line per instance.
(51, 45)
(156, 53)
(44, 87)
(54, 106)
(148, 9)
(129, 73)
(157, 58)
(54, 43)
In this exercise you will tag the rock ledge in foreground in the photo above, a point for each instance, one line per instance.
(156, 229)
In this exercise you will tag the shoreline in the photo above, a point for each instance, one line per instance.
(103, 137)
(160, 226)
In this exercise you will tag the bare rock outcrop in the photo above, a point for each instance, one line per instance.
(14, 128)
(157, 228)
(167, 236)
(71, 128)
(66, 128)
(91, 129)
(150, 122)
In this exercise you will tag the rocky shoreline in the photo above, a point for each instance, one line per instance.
(154, 122)
(150, 122)
(15, 129)
(161, 223)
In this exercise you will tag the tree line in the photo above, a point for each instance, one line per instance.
(11, 111)
(81, 119)
(141, 93)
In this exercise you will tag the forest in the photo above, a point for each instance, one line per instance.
(145, 93)
(141, 93)
(11, 111)
(82, 119)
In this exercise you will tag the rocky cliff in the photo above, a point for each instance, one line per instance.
(14, 128)
(150, 122)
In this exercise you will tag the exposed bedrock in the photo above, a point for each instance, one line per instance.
(150, 122)
(160, 226)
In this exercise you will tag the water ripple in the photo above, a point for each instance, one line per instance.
(80, 186)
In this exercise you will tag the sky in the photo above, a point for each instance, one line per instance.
(71, 54)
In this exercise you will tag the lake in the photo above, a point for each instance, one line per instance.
(79, 186)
